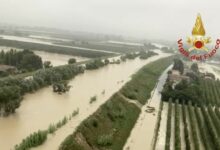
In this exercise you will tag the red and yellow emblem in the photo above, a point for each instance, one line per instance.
(197, 42)
(198, 39)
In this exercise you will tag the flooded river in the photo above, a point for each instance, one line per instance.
(44, 107)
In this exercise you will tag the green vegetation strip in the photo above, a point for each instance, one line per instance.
(211, 128)
(193, 132)
(156, 131)
(110, 126)
(177, 126)
(169, 129)
(204, 131)
(186, 127)
(39, 137)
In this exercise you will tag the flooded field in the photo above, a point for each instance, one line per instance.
(49, 41)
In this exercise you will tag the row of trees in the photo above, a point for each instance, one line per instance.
(97, 63)
(25, 60)
(156, 131)
(177, 127)
(186, 127)
(202, 127)
(141, 54)
(203, 130)
(33, 140)
(12, 89)
(211, 92)
(193, 127)
(211, 128)
(184, 91)
(169, 126)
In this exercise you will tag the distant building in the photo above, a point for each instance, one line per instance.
(29, 78)
(8, 69)
(176, 77)
(175, 72)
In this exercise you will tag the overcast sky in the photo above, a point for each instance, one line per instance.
(140, 18)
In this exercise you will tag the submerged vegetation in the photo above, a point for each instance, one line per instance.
(33, 140)
(93, 99)
(141, 54)
(113, 121)
(61, 87)
(37, 138)
(95, 64)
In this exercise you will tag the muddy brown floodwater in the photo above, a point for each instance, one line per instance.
(38, 110)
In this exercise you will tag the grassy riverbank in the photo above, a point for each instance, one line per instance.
(110, 126)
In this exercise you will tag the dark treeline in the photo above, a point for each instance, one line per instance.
(23, 60)
(199, 92)
(142, 55)
(178, 65)
(12, 89)
(95, 64)
(200, 88)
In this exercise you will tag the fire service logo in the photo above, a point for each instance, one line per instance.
(197, 43)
